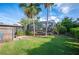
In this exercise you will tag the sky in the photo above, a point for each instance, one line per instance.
(11, 13)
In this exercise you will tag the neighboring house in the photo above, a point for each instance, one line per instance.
(7, 32)
(40, 26)
(76, 23)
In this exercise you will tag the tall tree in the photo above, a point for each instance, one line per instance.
(31, 10)
(25, 23)
(48, 6)
(67, 22)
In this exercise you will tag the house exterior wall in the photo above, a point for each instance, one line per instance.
(7, 33)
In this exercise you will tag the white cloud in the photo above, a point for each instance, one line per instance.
(58, 4)
(65, 9)
(18, 24)
(50, 18)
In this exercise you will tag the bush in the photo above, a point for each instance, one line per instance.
(75, 32)
(20, 32)
(62, 30)
(28, 32)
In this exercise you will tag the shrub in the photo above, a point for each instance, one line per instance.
(62, 30)
(20, 32)
(75, 32)
(28, 32)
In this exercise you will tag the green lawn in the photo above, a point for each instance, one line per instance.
(51, 45)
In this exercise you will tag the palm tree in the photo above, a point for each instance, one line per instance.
(31, 10)
(48, 6)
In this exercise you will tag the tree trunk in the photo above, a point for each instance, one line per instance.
(33, 27)
(47, 23)
(29, 20)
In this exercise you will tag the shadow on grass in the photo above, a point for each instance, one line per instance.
(57, 46)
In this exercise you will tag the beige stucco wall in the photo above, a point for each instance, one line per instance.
(8, 32)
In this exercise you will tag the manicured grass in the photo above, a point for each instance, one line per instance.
(51, 45)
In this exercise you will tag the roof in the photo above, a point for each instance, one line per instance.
(10, 25)
(77, 21)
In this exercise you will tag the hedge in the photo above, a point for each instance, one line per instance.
(75, 32)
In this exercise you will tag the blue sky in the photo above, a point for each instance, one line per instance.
(11, 13)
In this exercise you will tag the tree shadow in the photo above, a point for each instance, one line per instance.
(57, 46)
